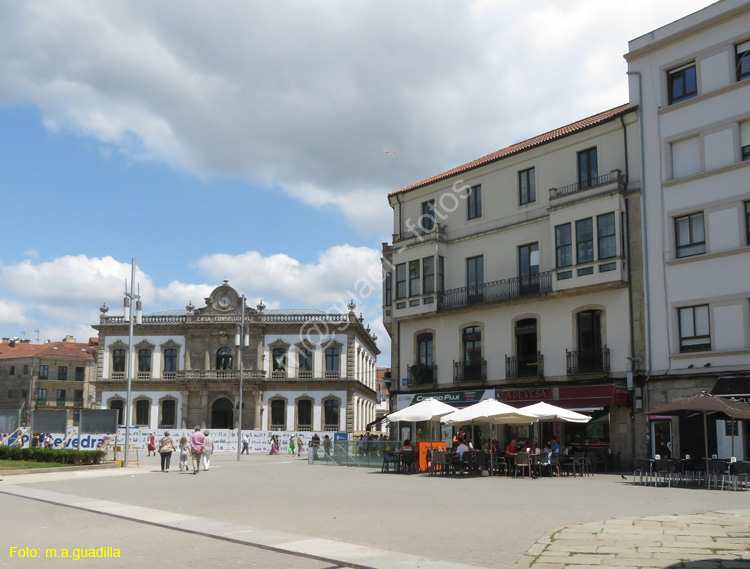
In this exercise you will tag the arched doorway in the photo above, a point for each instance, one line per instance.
(222, 414)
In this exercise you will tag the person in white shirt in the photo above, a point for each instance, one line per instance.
(245, 444)
(208, 450)
(463, 447)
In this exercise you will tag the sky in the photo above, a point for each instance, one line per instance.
(257, 142)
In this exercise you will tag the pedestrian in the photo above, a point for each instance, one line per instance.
(327, 446)
(197, 440)
(290, 450)
(151, 444)
(184, 453)
(315, 443)
(166, 448)
(208, 450)
(245, 444)
(299, 445)
(274, 445)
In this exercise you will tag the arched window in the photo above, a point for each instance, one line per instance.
(224, 359)
(526, 348)
(278, 363)
(304, 415)
(472, 341)
(118, 360)
(331, 415)
(119, 405)
(305, 359)
(142, 412)
(590, 354)
(278, 415)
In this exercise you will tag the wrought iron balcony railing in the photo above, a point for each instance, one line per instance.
(421, 374)
(588, 361)
(613, 177)
(502, 290)
(464, 372)
(531, 365)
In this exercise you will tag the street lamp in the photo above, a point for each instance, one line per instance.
(131, 299)
(241, 339)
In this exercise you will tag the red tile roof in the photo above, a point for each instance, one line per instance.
(65, 350)
(527, 144)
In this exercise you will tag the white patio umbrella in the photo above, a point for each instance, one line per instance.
(492, 412)
(429, 409)
(546, 412)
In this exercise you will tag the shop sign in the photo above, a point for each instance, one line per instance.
(532, 394)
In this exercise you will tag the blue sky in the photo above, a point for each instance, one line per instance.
(247, 140)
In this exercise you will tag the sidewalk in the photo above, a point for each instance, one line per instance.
(712, 540)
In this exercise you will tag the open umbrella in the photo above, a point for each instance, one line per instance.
(705, 404)
(546, 412)
(429, 409)
(490, 411)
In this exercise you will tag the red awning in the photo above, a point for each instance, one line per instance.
(575, 398)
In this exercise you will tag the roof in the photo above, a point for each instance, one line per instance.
(267, 311)
(65, 350)
(550, 136)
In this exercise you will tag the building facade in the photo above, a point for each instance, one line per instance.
(691, 82)
(53, 375)
(302, 370)
(513, 276)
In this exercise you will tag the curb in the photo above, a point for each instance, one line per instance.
(60, 469)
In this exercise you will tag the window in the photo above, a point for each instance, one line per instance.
(118, 360)
(119, 406)
(144, 360)
(332, 360)
(10, 394)
(475, 202)
(330, 414)
(278, 415)
(690, 237)
(279, 359)
(168, 414)
(26, 369)
(746, 152)
(528, 268)
(743, 61)
(605, 230)
(475, 279)
(80, 373)
(425, 349)
(590, 355)
(472, 341)
(427, 220)
(747, 221)
(401, 281)
(62, 373)
(564, 245)
(584, 241)
(142, 408)
(224, 357)
(695, 334)
(388, 284)
(745, 140)
(43, 372)
(414, 278)
(78, 397)
(681, 83)
(441, 273)
(428, 275)
(526, 186)
(12, 370)
(304, 415)
(170, 360)
(304, 357)
(60, 397)
(41, 396)
(587, 168)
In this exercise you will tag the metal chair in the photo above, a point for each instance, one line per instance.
(522, 461)
(544, 462)
(579, 463)
(499, 465)
(741, 470)
(642, 468)
(408, 461)
(662, 470)
(717, 468)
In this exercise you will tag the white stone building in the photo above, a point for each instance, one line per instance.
(303, 370)
(511, 276)
(691, 82)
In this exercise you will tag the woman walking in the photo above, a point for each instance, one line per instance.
(151, 444)
(184, 453)
(290, 450)
(274, 445)
(166, 448)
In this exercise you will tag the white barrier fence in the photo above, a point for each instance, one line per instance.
(224, 440)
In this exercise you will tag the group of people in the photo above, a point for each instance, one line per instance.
(551, 451)
(41, 440)
(200, 447)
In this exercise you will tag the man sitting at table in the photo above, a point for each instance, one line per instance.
(458, 460)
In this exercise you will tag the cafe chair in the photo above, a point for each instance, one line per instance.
(522, 463)
(408, 461)
(716, 469)
(544, 463)
(579, 463)
(439, 465)
(389, 459)
(499, 465)
(662, 470)
(590, 463)
(741, 471)
(641, 468)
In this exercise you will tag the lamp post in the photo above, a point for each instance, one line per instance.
(131, 298)
(241, 339)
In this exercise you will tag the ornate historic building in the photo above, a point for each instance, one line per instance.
(302, 370)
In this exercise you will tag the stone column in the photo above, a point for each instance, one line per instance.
(203, 422)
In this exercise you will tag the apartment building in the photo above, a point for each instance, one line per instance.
(516, 276)
(691, 82)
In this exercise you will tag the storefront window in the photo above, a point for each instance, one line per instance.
(595, 432)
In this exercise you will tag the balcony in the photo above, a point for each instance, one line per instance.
(496, 291)
(588, 362)
(614, 178)
(332, 376)
(421, 235)
(531, 365)
(465, 373)
(421, 375)
(60, 403)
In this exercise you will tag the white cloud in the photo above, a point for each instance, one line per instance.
(303, 96)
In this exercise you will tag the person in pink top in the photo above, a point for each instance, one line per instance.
(197, 441)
